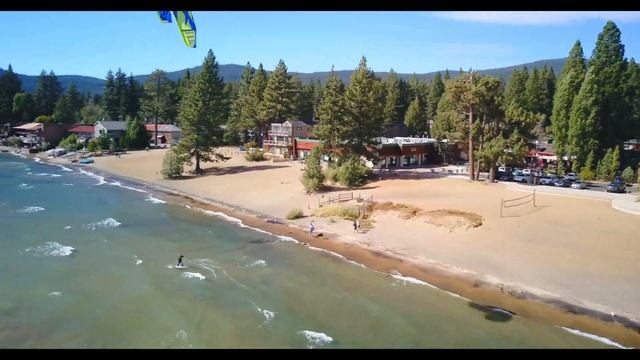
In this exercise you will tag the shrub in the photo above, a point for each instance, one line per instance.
(353, 172)
(331, 173)
(250, 145)
(313, 178)
(44, 119)
(172, 164)
(14, 141)
(295, 214)
(254, 155)
(92, 145)
(344, 212)
(103, 142)
(70, 143)
(587, 174)
(628, 175)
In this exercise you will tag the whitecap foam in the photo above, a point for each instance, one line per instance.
(138, 262)
(25, 186)
(337, 255)
(47, 174)
(65, 184)
(316, 338)
(97, 177)
(31, 209)
(154, 200)
(181, 334)
(268, 314)
(37, 159)
(411, 280)
(55, 294)
(231, 219)
(287, 239)
(594, 337)
(258, 263)
(191, 275)
(63, 167)
(117, 183)
(51, 248)
(106, 223)
(67, 227)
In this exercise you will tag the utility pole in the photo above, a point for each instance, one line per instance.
(471, 164)
(157, 101)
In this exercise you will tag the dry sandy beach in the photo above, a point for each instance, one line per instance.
(573, 255)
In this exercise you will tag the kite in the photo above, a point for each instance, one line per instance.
(186, 25)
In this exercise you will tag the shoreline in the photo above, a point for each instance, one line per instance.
(473, 287)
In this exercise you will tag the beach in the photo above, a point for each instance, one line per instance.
(567, 261)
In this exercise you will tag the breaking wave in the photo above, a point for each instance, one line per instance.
(31, 209)
(106, 223)
(97, 177)
(51, 248)
(594, 337)
(191, 275)
(316, 338)
(154, 200)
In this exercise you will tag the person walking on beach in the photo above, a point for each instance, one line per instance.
(180, 263)
(311, 229)
(355, 226)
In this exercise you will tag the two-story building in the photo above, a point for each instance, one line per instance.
(404, 151)
(114, 129)
(280, 140)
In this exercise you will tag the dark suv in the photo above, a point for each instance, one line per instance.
(616, 187)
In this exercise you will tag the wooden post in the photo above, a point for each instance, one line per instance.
(501, 204)
(534, 197)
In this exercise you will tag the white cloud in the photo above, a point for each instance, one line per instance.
(538, 17)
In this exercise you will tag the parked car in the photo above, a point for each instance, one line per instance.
(504, 176)
(562, 183)
(520, 177)
(571, 176)
(579, 184)
(526, 171)
(502, 169)
(616, 187)
(548, 180)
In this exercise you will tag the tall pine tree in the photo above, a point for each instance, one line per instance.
(10, 85)
(331, 114)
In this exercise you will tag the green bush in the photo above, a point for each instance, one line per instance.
(92, 145)
(250, 145)
(295, 214)
(353, 172)
(349, 212)
(44, 119)
(254, 155)
(172, 164)
(331, 173)
(313, 178)
(628, 175)
(15, 141)
(71, 143)
(587, 174)
(103, 142)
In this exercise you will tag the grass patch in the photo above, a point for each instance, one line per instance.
(295, 214)
(344, 212)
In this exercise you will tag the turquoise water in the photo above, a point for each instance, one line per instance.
(86, 263)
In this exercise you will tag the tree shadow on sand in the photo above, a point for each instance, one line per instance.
(228, 170)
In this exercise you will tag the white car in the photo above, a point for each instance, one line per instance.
(579, 185)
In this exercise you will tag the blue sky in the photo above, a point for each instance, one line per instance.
(91, 43)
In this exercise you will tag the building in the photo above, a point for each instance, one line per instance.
(33, 134)
(167, 133)
(280, 140)
(303, 146)
(114, 129)
(404, 151)
(83, 132)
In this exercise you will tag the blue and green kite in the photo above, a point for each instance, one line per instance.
(185, 22)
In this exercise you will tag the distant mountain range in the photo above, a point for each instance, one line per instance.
(232, 72)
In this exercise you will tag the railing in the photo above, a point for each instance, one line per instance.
(277, 143)
(280, 133)
(330, 199)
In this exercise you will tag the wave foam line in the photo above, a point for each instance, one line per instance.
(594, 337)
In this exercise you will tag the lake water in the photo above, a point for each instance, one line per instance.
(87, 263)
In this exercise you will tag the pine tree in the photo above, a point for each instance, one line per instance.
(133, 95)
(136, 136)
(242, 116)
(587, 172)
(201, 114)
(255, 102)
(159, 100)
(121, 94)
(632, 97)
(607, 66)
(75, 102)
(363, 105)
(583, 124)
(63, 112)
(277, 103)
(24, 108)
(393, 108)
(331, 114)
(415, 118)
(571, 79)
(435, 94)
(10, 85)
(47, 93)
(110, 101)
(313, 177)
